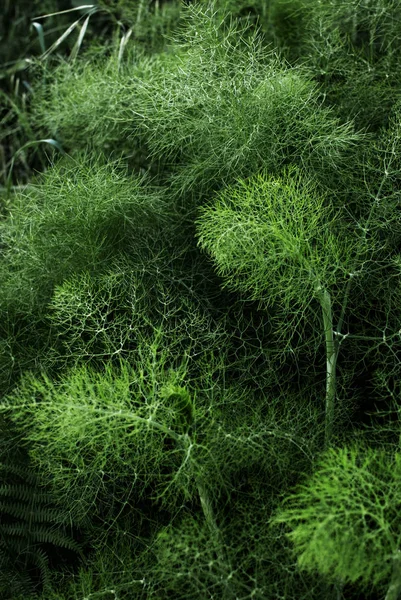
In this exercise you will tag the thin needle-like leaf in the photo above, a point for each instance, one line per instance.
(41, 37)
(60, 39)
(62, 12)
(75, 50)
(123, 43)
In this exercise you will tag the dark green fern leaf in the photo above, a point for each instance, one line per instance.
(29, 524)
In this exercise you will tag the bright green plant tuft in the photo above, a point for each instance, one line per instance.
(275, 238)
(78, 420)
(278, 241)
(345, 521)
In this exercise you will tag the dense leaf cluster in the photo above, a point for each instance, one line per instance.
(200, 304)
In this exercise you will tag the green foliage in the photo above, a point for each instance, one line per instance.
(19, 44)
(277, 239)
(32, 525)
(15, 25)
(288, 20)
(282, 23)
(149, 21)
(65, 29)
(71, 427)
(83, 105)
(77, 218)
(106, 315)
(354, 49)
(112, 572)
(218, 106)
(189, 563)
(344, 520)
(189, 559)
(180, 400)
(217, 253)
(74, 426)
(227, 108)
(173, 446)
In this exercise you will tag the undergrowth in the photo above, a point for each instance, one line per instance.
(200, 301)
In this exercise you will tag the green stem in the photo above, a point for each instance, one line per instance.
(339, 586)
(216, 535)
(208, 510)
(203, 493)
(214, 529)
(331, 360)
(394, 590)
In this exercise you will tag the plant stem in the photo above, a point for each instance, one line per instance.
(394, 590)
(213, 527)
(331, 360)
(208, 509)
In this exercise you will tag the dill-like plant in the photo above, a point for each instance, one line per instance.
(105, 316)
(80, 216)
(344, 521)
(280, 242)
(353, 49)
(215, 106)
(141, 435)
(168, 401)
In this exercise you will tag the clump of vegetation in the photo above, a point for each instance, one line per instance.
(215, 109)
(354, 50)
(200, 303)
(79, 217)
(345, 519)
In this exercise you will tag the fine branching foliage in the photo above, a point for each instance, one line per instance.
(277, 238)
(200, 326)
(127, 436)
(215, 106)
(279, 242)
(78, 218)
(354, 49)
(110, 314)
(345, 520)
